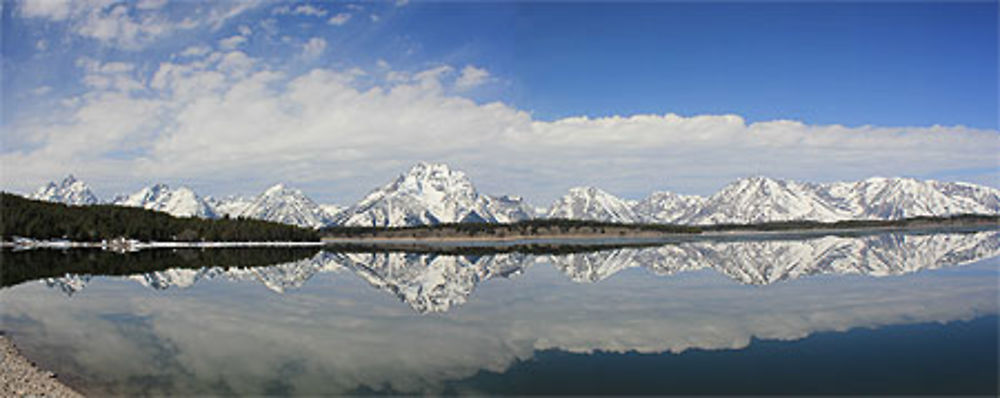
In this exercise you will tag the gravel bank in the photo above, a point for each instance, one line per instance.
(19, 377)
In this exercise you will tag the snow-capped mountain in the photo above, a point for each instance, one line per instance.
(508, 208)
(434, 193)
(230, 206)
(896, 198)
(286, 205)
(332, 210)
(589, 203)
(427, 194)
(761, 199)
(70, 191)
(179, 202)
(667, 207)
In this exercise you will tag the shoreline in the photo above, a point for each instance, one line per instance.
(21, 377)
(504, 240)
(649, 237)
(136, 245)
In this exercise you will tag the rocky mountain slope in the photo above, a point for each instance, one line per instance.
(286, 205)
(179, 202)
(430, 194)
(69, 191)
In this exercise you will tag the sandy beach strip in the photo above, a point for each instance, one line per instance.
(19, 377)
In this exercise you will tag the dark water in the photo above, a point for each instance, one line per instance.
(880, 314)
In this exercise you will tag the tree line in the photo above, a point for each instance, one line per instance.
(36, 219)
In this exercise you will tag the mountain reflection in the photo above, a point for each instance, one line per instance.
(436, 283)
(339, 328)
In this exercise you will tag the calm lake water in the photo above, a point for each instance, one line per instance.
(877, 314)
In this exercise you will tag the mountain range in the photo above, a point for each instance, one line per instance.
(437, 283)
(430, 194)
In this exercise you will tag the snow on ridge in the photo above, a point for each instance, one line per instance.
(433, 193)
(286, 205)
(69, 191)
(179, 202)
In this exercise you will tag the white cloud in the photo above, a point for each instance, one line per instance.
(150, 4)
(303, 9)
(109, 76)
(228, 119)
(232, 42)
(129, 25)
(314, 47)
(339, 19)
(470, 77)
(117, 26)
(374, 17)
(195, 51)
(41, 45)
(56, 10)
(307, 9)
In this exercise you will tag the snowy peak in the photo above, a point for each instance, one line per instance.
(508, 208)
(762, 199)
(667, 207)
(332, 210)
(286, 205)
(589, 203)
(70, 191)
(230, 206)
(180, 202)
(896, 198)
(433, 182)
(428, 194)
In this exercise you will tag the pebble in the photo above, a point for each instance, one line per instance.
(20, 378)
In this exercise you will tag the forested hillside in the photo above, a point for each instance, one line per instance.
(44, 220)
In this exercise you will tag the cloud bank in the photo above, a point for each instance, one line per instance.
(224, 121)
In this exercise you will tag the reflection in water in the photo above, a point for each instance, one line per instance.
(435, 283)
(337, 334)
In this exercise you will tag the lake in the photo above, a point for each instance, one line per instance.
(892, 313)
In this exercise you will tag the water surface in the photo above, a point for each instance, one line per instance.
(876, 314)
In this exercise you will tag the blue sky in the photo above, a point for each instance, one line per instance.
(528, 98)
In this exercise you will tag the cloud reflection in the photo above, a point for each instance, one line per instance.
(338, 334)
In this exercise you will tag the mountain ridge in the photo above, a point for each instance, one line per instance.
(434, 193)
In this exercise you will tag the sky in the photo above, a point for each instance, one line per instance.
(337, 98)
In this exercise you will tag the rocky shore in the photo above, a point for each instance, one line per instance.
(19, 377)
